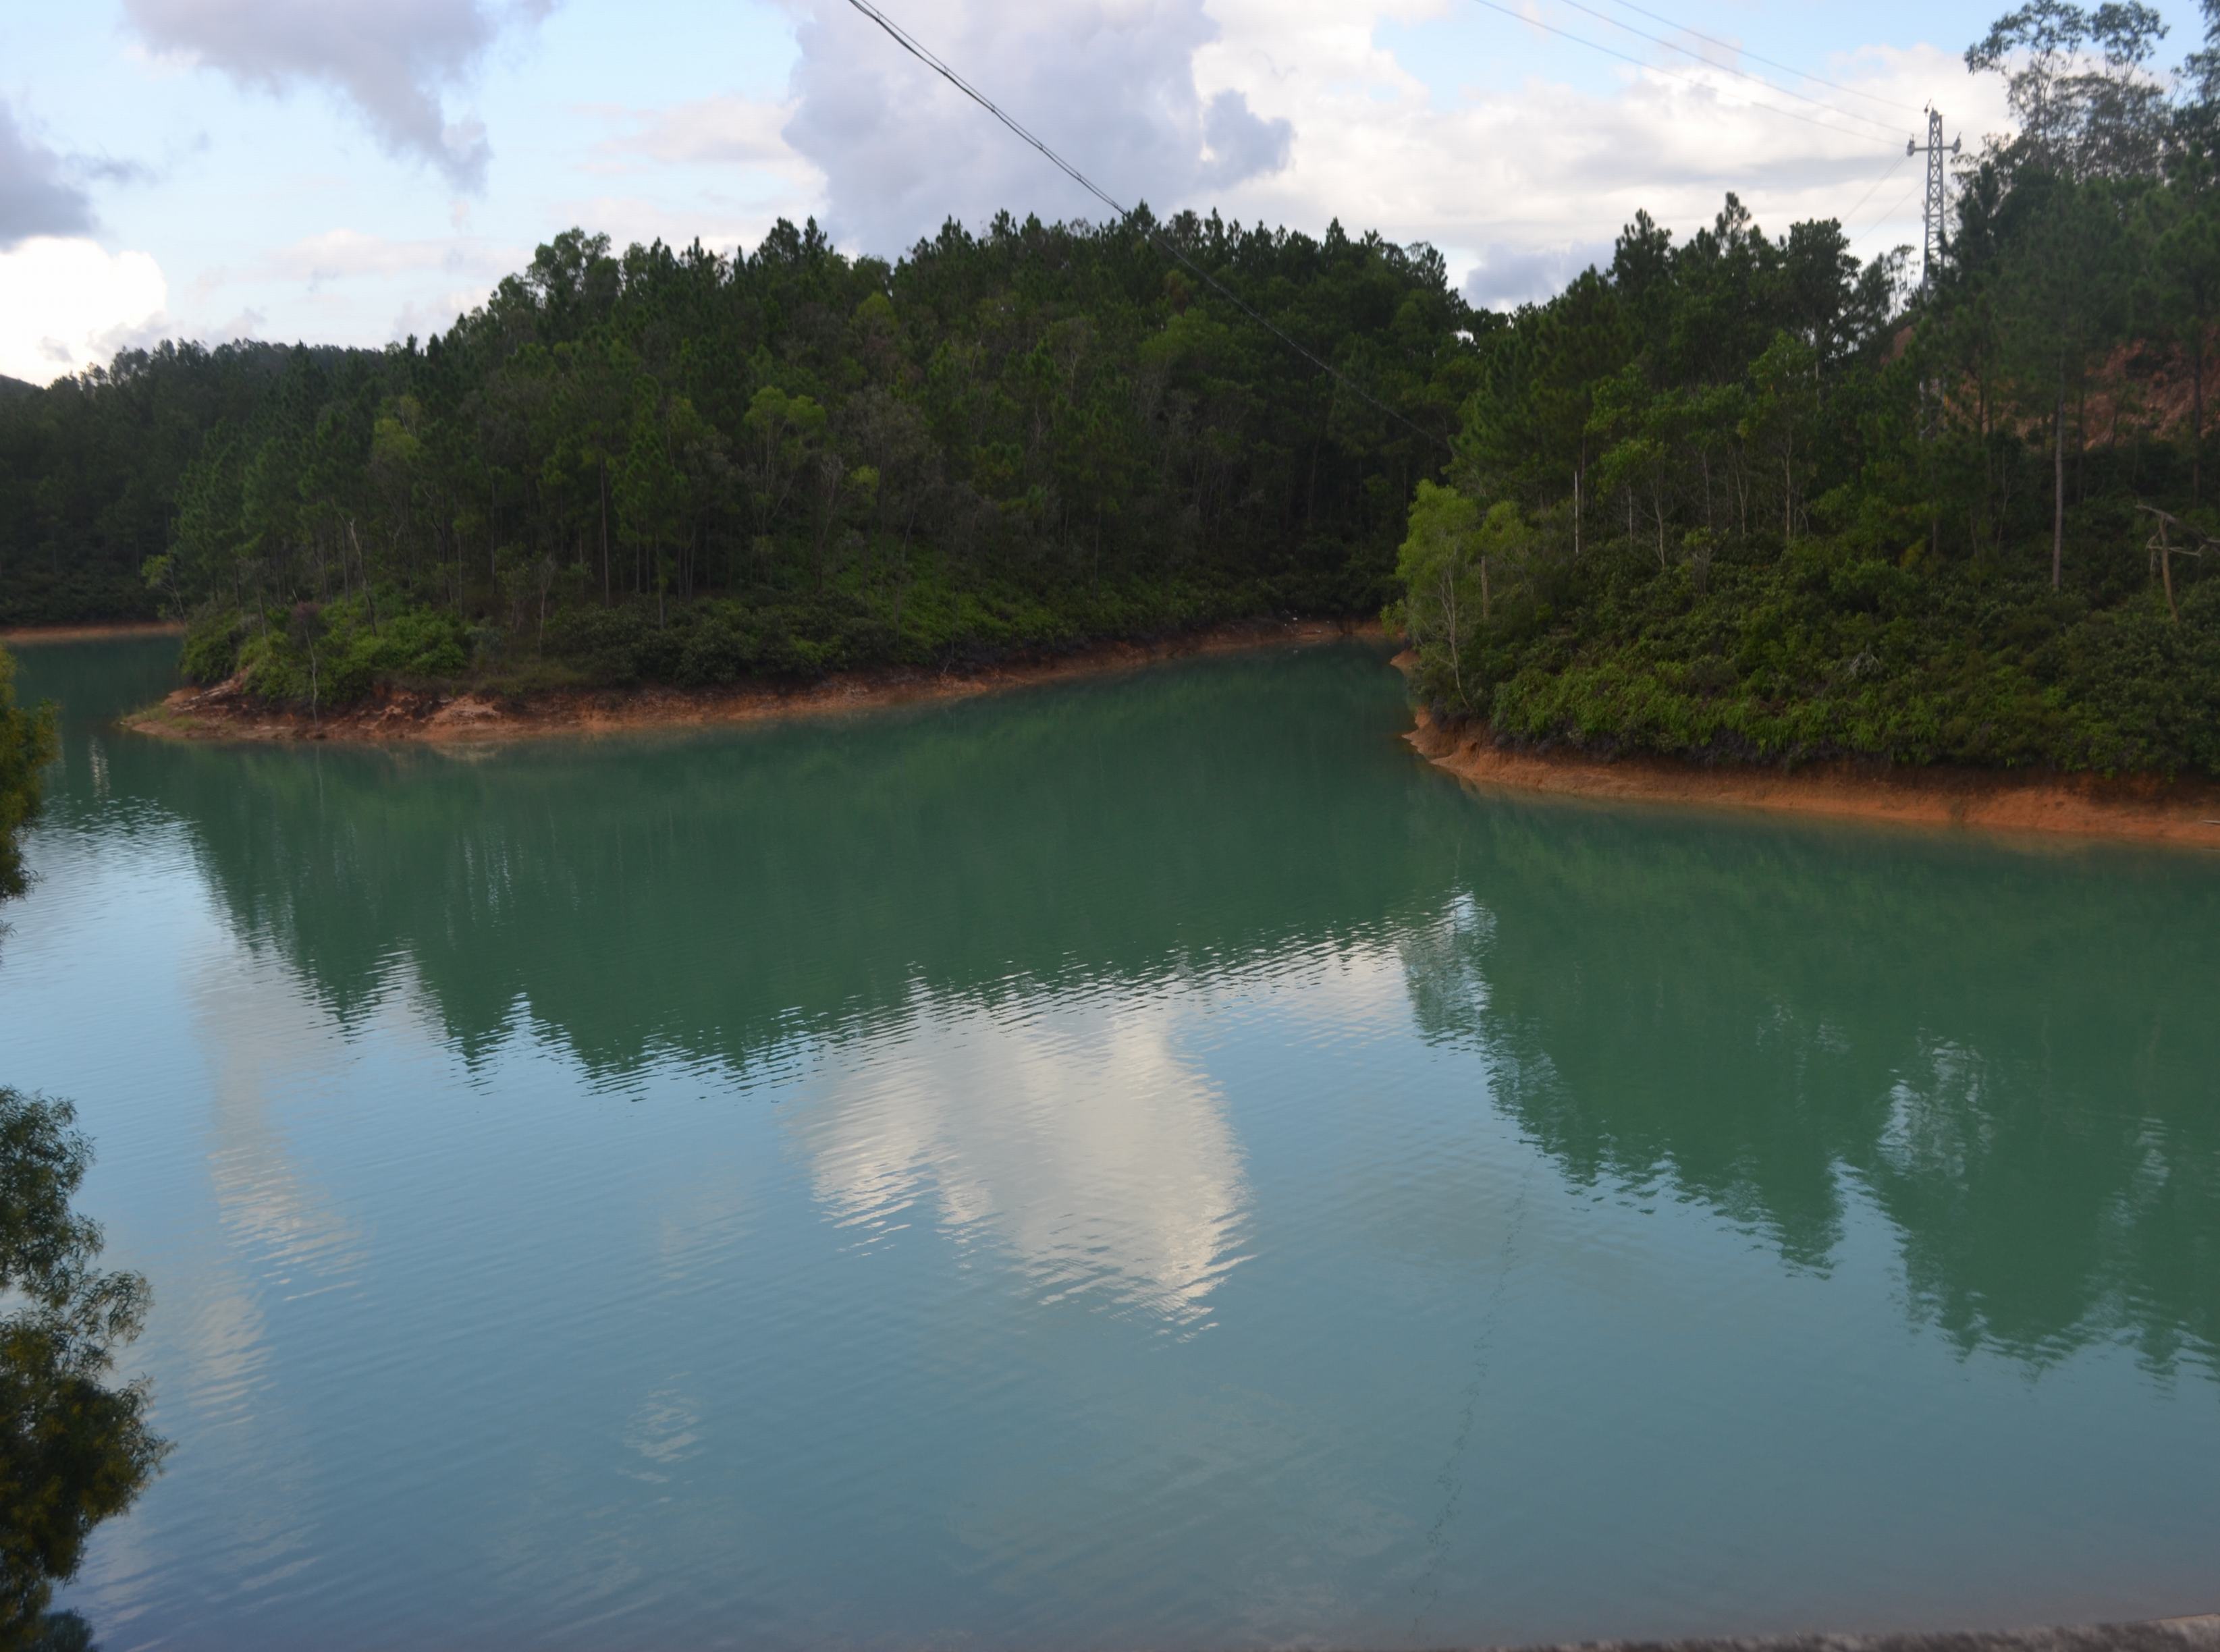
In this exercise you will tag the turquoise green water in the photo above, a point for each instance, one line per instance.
(1143, 1162)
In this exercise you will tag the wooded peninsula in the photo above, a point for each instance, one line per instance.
(1734, 495)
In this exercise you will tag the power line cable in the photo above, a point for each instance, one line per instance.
(1627, 57)
(924, 54)
(1579, 6)
(1726, 69)
(1787, 69)
(1869, 194)
(1890, 213)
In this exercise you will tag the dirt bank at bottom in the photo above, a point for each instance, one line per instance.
(2147, 808)
(226, 712)
(34, 634)
(2164, 1634)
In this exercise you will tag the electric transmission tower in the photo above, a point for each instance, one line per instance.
(1938, 193)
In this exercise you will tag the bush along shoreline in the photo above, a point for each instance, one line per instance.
(330, 657)
(1830, 652)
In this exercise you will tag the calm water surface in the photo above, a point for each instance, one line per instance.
(1144, 1163)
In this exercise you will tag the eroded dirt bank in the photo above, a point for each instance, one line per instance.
(22, 634)
(2199, 1634)
(226, 712)
(2147, 810)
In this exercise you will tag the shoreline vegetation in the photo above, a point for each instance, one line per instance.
(443, 716)
(2144, 808)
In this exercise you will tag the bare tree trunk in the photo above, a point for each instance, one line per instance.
(1448, 607)
(2197, 416)
(1577, 502)
(2058, 489)
(2081, 445)
(369, 594)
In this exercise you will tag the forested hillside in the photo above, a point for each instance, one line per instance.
(89, 469)
(673, 465)
(1739, 497)
(1736, 495)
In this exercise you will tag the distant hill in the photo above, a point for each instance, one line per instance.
(10, 389)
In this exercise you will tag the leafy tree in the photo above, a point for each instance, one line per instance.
(27, 746)
(2067, 306)
(1778, 419)
(1440, 569)
(650, 491)
(2185, 230)
(74, 1451)
(2078, 82)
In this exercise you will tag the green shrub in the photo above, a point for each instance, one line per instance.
(211, 648)
(1830, 651)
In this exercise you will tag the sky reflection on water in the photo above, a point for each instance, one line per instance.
(1143, 1162)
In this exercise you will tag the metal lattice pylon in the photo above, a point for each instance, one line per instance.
(1938, 196)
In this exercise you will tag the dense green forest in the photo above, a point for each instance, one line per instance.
(672, 466)
(1742, 497)
(1734, 495)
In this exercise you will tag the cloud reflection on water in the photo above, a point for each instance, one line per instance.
(1078, 1138)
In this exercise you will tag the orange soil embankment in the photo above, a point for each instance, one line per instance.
(225, 713)
(2145, 808)
(22, 634)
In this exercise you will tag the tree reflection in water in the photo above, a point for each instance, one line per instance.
(2010, 1053)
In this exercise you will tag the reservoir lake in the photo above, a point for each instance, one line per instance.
(1145, 1161)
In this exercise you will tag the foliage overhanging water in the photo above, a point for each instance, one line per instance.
(1142, 1162)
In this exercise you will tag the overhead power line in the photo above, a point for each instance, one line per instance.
(924, 54)
(1628, 57)
(1869, 194)
(1787, 69)
(1726, 69)
(1171, 249)
(1888, 216)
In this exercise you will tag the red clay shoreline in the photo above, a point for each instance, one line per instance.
(102, 632)
(227, 712)
(2139, 808)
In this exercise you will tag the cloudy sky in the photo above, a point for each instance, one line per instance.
(353, 171)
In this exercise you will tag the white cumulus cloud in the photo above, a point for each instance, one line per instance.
(67, 304)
